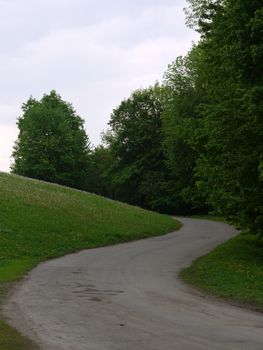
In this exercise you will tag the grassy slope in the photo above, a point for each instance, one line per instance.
(39, 221)
(233, 271)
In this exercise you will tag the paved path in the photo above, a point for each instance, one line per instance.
(128, 297)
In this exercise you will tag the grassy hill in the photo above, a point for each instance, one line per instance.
(39, 221)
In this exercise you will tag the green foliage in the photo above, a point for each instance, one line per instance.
(139, 172)
(233, 271)
(200, 13)
(230, 131)
(181, 98)
(52, 144)
(101, 160)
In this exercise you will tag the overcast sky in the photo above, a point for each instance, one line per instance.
(94, 53)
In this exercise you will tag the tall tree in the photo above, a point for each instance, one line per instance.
(231, 131)
(139, 172)
(181, 98)
(52, 144)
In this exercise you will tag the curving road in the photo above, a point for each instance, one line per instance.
(128, 297)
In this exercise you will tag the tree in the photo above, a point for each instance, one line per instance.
(229, 166)
(52, 144)
(181, 98)
(201, 13)
(101, 160)
(139, 172)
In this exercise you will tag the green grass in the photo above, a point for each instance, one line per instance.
(233, 271)
(40, 221)
(10, 339)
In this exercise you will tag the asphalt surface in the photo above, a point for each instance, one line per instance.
(128, 297)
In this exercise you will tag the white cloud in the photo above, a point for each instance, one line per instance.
(94, 59)
(8, 135)
(8, 113)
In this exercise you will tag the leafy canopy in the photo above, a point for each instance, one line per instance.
(52, 144)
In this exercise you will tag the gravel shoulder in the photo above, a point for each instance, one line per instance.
(129, 297)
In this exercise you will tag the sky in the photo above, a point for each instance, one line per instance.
(94, 53)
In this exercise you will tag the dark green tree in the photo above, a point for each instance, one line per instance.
(101, 160)
(181, 98)
(52, 144)
(230, 139)
(139, 171)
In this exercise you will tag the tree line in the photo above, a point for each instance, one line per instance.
(192, 143)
